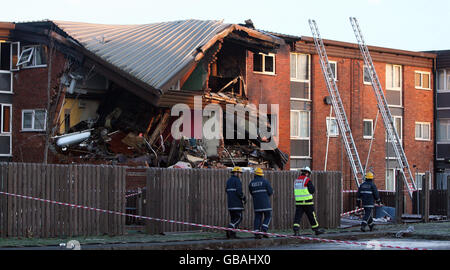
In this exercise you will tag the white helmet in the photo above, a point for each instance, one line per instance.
(306, 169)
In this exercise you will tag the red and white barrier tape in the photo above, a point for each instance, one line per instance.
(205, 226)
(351, 212)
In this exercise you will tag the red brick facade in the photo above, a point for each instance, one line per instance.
(360, 103)
(30, 93)
(273, 89)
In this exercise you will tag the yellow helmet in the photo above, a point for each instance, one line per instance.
(237, 169)
(259, 172)
(369, 175)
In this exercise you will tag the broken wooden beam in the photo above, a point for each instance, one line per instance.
(160, 127)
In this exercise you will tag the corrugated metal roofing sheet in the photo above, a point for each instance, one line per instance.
(152, 53)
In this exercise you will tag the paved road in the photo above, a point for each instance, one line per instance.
(369, 244)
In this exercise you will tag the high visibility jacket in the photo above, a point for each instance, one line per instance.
(303, 190)
(235, 196)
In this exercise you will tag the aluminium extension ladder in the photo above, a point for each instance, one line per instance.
(384, 109)
(338, 106)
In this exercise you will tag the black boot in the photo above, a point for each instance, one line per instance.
(363, 227)
(296, 233)
(371, 227)
(228, 234)
(319, 231)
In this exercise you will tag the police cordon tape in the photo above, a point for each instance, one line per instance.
(206, 226)
(351, 212)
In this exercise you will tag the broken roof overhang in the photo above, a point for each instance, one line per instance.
(150, 57)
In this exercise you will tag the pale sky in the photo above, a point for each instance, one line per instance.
(400, 24)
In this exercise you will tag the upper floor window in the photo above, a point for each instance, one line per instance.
(300, 67)
(5, 118)
(299, 125)
(366, 76)
(423, 131)
(393, 77)
(34, 120)
(33, 56)
(333, 65)
(443, 130)
(443, 80)
(422, 80)
(264, 63)
(8, 63)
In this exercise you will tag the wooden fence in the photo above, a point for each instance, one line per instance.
(349, 199)
(438, 202)
(95, 186)
(198, 196)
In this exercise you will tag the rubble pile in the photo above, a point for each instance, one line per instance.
(98, 144)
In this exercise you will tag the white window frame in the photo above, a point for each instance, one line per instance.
(446, 81)
(335, 69)
(299, 137)
(6, 134)
(394, 117)
(388, 87)
(11, 83)
(421, 80)
(390, 186)
(28, 59)
(32, 57)
(422, 125)
(364, 71)
(294, 79)
(328, 121)
(264, 65)
(371, 128)
(33, 111)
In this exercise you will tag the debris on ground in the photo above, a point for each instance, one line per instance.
(406, 232)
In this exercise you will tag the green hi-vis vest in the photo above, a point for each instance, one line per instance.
(301, 193)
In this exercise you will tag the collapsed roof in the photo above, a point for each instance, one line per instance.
(152, 56)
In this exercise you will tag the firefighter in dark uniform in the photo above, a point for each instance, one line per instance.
(303, 192)
(366, 196)
(235, 199)
(261, 190)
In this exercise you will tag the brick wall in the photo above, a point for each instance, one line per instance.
(30, 92)
(360, 103)
(273, 89)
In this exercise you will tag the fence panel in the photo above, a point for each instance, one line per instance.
(198, 196)
(87, 185)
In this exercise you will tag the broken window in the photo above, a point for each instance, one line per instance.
(8, 56)
(33, 56)
(264, 63)
(33, 120)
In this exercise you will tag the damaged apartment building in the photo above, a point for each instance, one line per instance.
(102, 94)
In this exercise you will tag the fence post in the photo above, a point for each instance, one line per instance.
(398, 196)
(425, 197)
(153, 205)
